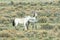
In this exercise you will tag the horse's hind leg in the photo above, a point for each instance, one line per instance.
(16, 26)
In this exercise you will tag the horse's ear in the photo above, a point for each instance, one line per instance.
(35, 14)
(32, 13)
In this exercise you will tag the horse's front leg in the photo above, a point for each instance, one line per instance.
(25, 26)
(33, 25)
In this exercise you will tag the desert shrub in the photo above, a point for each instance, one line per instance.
(20, 6)
(20, 35)
(51, 3)
(42, 4)
(2, 34)
(52, 20)
(48, 14)
(29, 34)
(44, 34)
(48, 38)
(58, 1)
(45, 3)
(13, 39)
(47, 27)
(57, 14)
(58, 26)
(2, 4)
(10, 3)
(22, 14)
(3, 28)
(4, 20)
(7, 16)
(23, 3)
(42, 20)
(33, 4)
(41, 8)
(58, 20)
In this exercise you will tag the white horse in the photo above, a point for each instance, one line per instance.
(25, 21)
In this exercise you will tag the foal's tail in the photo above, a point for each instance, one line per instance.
(13, 23)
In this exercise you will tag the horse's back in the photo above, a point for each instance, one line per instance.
(19, 20)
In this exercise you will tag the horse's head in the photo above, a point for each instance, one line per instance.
(34, 14)
(33, 17)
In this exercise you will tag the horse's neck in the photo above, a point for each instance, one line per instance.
(34, 17)
(27, 18)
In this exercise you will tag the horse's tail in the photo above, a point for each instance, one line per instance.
(13, 23)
